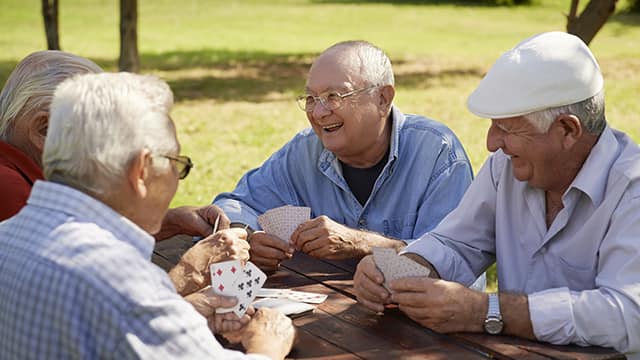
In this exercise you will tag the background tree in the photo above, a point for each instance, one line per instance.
(129, 59)
(50, 15)
(591, 20)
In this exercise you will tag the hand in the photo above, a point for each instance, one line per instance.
(191, 220)
(206, 302)
(440, 305)
(192, 272)
(267, 251)
(367, 283)
(324, 238)
(270, 333)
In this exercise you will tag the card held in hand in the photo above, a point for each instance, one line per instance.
(283, 221)
(230, 278)
(394, 266)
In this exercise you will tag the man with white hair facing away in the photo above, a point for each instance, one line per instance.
(556, 206)
(76, 279)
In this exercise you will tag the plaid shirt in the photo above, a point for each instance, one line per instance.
(76, 283)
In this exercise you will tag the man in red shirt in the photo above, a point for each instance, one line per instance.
(24, 116)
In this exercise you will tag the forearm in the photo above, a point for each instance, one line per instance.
(186, 279)
(372, 239)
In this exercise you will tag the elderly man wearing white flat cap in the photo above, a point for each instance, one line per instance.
(556, 206)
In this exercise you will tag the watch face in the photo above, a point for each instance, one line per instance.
(493, 326)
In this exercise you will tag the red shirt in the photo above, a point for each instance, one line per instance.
(17, 175)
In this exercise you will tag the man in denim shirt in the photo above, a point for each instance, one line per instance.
(372, 176)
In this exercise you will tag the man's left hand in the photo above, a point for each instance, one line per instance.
(191, 220)
(440, 305)
(324, 238)
(205, 301)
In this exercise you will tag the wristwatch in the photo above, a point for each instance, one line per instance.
(493, 323)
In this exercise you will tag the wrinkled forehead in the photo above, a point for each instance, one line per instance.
(338, 69)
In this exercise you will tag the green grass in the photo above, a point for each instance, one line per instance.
(235, 66)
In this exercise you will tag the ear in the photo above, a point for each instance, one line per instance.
(387, 93)
(138, 173)
(38, 129)
(569, 129)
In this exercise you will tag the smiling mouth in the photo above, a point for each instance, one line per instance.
(331, 127)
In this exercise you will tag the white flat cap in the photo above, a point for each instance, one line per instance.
(544, 71)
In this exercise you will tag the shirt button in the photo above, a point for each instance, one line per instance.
(362, 222)
(543, 251)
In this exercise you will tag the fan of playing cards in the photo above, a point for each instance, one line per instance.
(394, 266)
(284, 220)
(230, 278)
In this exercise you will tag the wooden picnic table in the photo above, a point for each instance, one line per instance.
(340, 328)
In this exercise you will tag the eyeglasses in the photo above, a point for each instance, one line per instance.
(183, 164)
(330, 100)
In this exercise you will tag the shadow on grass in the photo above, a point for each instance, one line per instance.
(226, 75)
(468, 3)
(626, 18)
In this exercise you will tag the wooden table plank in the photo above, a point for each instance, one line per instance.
(340, 320)
(342, 329)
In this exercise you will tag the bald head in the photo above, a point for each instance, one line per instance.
(359, 59)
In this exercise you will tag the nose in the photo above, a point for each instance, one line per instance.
(495, 138)
(319, 110)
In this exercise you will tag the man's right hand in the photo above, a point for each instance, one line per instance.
(367, 283)
(269, 333)
(267, 251)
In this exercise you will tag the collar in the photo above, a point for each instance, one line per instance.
(67, 200)
(603, 155)
(14, 158)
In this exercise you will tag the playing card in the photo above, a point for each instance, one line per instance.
(247, 286)
(284, 220)
(301, 296)
(306, 297)
(383, 257)
(394, 266)
(286, 306)
(223, 277)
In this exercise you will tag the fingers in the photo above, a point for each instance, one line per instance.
(413, 284)
(269, 332)
(212, 212)
(267, 251)
(368, 285)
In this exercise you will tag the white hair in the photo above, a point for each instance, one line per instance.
(31, 85)
(589, 111)
(375, 64)
(100, 122)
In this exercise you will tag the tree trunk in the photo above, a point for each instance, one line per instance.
(50, 15)
(129, 60)
(591, 20)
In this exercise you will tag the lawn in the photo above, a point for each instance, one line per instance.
(235, 66)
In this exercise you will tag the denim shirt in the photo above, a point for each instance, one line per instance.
(423, 180)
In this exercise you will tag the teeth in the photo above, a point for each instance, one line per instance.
(331, 127)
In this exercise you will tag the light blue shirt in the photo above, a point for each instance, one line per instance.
(424, 178)
(583, 273)
(76, 282)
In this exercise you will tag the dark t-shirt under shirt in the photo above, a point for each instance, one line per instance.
(361, 180)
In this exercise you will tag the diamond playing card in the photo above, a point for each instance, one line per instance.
(230, 278)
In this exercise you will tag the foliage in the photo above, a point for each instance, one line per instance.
(235, 66)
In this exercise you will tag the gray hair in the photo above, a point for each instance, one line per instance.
(589, 111)
(100, 122)
(31, 85)
(375, 64)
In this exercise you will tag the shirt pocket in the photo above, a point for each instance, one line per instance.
(401, 227)
(577, 274)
